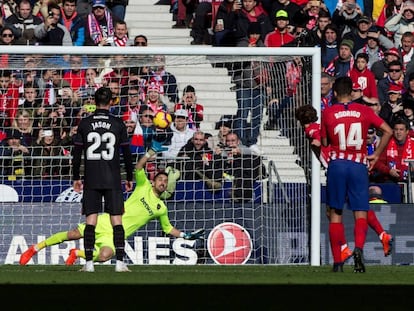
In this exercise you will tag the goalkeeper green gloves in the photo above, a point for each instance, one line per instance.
(198, 234)
(155, 148)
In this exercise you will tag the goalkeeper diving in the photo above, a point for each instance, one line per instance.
(144, 204)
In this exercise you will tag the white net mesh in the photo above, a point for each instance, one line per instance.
(266, 193)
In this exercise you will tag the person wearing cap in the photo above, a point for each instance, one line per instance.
(291, 7)
(194, 109)
(376, 44)
(359, 35)
(392, 108)
(100, 25)
(280, 35)
(181, 134)
(362, 75)
(380, 67)
(395, 76)
(252, 11)
(401, 22)
(341, 65)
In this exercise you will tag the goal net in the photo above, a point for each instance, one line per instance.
(254, 200)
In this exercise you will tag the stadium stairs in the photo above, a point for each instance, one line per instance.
(213, 85)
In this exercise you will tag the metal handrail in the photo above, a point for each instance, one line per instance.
(272, 168)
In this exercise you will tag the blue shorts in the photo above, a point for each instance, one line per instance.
(347, 181)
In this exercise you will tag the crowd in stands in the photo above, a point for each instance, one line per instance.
(371, 42)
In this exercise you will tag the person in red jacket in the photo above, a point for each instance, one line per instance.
(281, 35)
(9, 98)
(363, 76)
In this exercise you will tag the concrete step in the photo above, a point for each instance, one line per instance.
(151, 17)
(204, 69)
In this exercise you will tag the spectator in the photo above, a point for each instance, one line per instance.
(380, 67)
(390, 8)
(15, 162)
(23, 124)
(117, 102)
(245, 167)
(346, 16)
(140, 40)
(73, 22)
(48, 155)
(363, 76)
(51, 32)
(194, 109)
(400, 147)
(376, 43)
(133, 103)
(200, 162)
(31, 99)
(407, 51)
(359, 36)
(251, 80)
(326, 90)
(100, 25)
(253, 39)
(84, 7)
(90, 85)
(153, 97)
(409, 89)
(134, 133)
(395, 76)
(119, 71)
(182, 133)
(224, 126)
(401, 22)
(7, 9)
(375, 195)
(158, 72)
(314, 36)
(6, 38)
(201, 23)
(277, 108)
(280, 35)
(341, 65)
(9, 98)
(329, 45)
(392, 108)
(291, 7)
(118, 8)
(23, 23)
(312, 9)
(121, 34)
(224, 30)
(408, 105)
(75, 76)
(252, 11)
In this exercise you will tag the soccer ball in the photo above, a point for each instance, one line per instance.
(162, 119)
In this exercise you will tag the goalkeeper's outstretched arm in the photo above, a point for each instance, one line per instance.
(198, 234)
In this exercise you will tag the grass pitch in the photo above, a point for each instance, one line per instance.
(207, 287)
(207, 274)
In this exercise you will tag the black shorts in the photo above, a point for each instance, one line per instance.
(92, 201)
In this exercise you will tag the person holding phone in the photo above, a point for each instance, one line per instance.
(51, 32)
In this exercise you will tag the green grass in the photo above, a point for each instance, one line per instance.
(207, 274)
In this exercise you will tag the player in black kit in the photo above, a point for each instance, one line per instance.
(100, 138)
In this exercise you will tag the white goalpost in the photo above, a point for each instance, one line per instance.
(280, 211)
